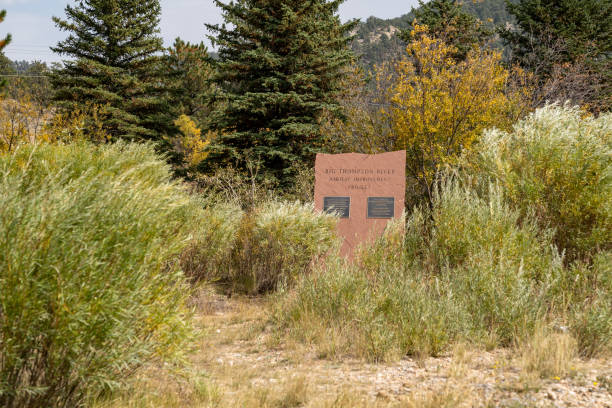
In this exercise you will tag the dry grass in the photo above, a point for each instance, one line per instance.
(159, 388)
(448, 397)
(548, 355)
(462, 358)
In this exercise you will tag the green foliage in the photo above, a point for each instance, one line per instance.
(579, 26)
(279, 242)
(279, 67)
(229, 186)
(89, 284)
(255, 241)
(556, 164)
(208, 256)
(497, 268)
(187, 70)
(113, 49)
(494, 11)
(552, 36)
(447, 20)
(481, 263)
(588, 288)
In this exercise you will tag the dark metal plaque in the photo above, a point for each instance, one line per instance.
(381, 207)
(338, 205)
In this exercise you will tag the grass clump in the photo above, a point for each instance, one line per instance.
(208, 256)
(278, 242)
(548, 354)
(258, 240)
(89, 284)
(587, 290)
(493, 266)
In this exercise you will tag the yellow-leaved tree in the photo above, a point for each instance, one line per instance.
(190, 144)
(439, 107)
(430, 104)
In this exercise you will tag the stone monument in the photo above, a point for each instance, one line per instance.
(366, 191)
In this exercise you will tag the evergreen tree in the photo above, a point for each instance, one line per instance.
(114, 46)
(446, 20)
(279, 68)
(549, 32)
(567, 45)
(187, 73)
(3, 43)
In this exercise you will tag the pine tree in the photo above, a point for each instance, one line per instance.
(446, 20)
(114, 46)
(279, 68)
(549, 32)
(567, 45)
(187, 72)
(3, 43)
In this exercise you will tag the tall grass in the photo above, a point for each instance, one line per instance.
(259, 250)
(89, 284)
(258, 240)
(209, 255)
(586, 289)
(466, 271)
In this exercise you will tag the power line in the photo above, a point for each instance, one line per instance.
(22, 44)
(23, 76)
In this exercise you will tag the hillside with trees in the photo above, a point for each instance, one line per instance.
(378, 40)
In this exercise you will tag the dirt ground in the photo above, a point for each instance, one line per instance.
(241, 362)
(243, 356)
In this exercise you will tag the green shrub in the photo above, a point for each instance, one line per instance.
(240, 189)
(278, 242)
(557, 165)
(496, 267)
(482, 264)
(89, 284)
(464, 224)
(208, 257)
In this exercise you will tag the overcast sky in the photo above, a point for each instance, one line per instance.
(29, 21)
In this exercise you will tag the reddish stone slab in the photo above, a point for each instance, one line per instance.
(381, 178)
